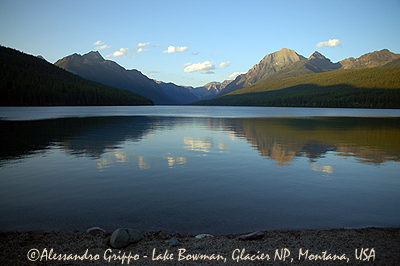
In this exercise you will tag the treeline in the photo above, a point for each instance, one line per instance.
(311, 95)
(361, 88)
(26, 80)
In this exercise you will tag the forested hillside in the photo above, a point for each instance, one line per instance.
(26, 80)
(367, 88)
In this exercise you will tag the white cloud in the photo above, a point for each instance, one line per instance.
(119, 53)
(103, 47)
(330, 43)
(207, 65)
(224, 64)
(141, 44)
(234, 75)
(100, 46)
(141, 50)
(187, 64)
(172, 49)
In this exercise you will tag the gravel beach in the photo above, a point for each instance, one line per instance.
(368, 246)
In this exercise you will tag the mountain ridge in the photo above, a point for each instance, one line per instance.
(316, 63)
(270, 64)
(94, 67)
(209, 90)
(177, 92)
(377, 87)
(372, 59)
(281, 64)
(27, 80)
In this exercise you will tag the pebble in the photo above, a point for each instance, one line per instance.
(203, 236)
(122, 237)
(173, 242)
(252, 236)
(134, 235)
(95, 230)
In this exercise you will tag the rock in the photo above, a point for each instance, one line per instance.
(134, 235)
(122, 237)
(173, 242)
(95, 230)
(203, 236)
(119, 238)
(252, 236)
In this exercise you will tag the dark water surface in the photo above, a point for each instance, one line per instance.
(198, 169)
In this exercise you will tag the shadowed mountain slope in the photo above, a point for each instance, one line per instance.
(179, 93)
(27, 80)
(93, 66)
(210, 90)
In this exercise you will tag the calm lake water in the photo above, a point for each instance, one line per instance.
(198, 169)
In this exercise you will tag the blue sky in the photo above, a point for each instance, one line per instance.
(192, 43)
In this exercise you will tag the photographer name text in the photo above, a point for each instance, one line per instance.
(237, 255)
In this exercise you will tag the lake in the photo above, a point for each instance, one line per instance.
(194, 169)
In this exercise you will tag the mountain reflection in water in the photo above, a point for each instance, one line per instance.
(370, 140)
(199, 174)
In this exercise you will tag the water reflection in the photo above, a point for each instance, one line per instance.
(143, 163)
(197, 144)
(164, 173)
(172, 161)
(91, 136)
(111, 157)
(325, 168)
(369, 140)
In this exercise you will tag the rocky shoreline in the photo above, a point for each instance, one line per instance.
(367, 246)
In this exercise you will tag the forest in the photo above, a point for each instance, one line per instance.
(377, 87)
(311, 95)
(26, 80)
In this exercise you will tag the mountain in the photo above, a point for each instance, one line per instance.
(394, 63)
(188, 94)
(287, 63)
(27, 80)
(371, 81)
(319, 63)
(270, 64)
(377, 87)
(179, 93)
(217, 86)
(374, 59)
(210, 90)
(316, 63)
(94, 67)
(280, 65)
